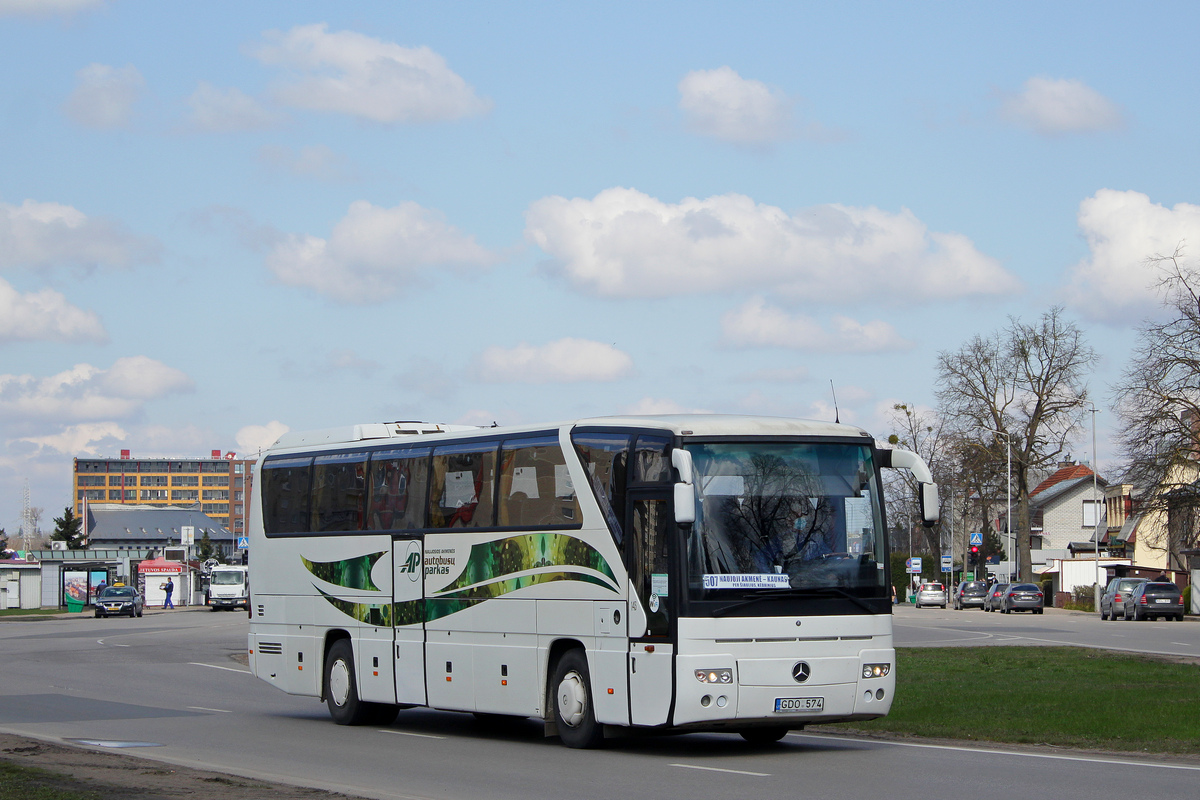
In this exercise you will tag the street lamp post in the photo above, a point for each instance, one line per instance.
(1096, 508)
(1008, 508)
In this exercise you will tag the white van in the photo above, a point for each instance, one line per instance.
(228, 587)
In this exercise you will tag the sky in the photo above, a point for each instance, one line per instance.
(221, 221)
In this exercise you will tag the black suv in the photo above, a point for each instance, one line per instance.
(1154, 600)
(970, 593)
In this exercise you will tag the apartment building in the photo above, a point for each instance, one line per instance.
(218, 486)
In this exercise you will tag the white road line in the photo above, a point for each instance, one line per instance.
(1053, 757)
(218, 710)
(214, 666)
(718, 769)
(1184, 644)
(410, 733)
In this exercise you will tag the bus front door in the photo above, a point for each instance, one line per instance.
(651, 654)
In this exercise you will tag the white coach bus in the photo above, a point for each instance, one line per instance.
(679, 573)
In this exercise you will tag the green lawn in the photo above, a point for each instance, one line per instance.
(1066, 696)
(21, 612)
(18, 782)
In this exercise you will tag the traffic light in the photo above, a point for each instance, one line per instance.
(973, 558)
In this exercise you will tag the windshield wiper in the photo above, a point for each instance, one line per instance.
(819, 591)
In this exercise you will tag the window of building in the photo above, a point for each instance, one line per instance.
(215, 466)
(154, 494)
(154, 480)
(91, 466)
(91, 494)
(216, 494)
(152, 466)
(114, 495)
(92, 480)
(185, 466)
(1091, 513)
(216, 480)
(185, 480)
(185, 494)
(238, 469)
(121, 480)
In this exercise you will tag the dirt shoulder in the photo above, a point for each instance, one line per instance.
(116, 776)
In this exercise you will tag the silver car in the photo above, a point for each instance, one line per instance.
(1022, 597)
(931, 594)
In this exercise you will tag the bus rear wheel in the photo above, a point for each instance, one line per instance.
(572, 696)
(341, 691)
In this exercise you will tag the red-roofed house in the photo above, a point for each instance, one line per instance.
(1065, 508)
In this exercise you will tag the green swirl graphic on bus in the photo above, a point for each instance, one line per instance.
(349, 573)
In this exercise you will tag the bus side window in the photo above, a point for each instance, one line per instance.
(398, 481)
(535, 488)
(339, 488)
(463, 486)
(285, 492)
(605, 457)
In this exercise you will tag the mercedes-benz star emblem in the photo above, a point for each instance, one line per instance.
(800, 672)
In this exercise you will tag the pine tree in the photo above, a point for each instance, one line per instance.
(69, 528)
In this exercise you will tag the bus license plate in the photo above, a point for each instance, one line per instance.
(792, 704)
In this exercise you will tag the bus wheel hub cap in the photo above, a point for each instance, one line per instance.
(339, 683)
(572, 699)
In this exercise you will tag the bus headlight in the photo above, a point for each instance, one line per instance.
(714, 675)
(876, 670)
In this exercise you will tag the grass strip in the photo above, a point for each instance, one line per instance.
(31, 612)
(1064, 696)
(19, 782)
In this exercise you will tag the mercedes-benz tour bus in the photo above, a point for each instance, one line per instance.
(675, 573)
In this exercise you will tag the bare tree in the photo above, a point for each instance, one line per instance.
(1158, 402)
(922, 431)
(1027, 382)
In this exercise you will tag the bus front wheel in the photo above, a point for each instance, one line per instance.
(573, 714)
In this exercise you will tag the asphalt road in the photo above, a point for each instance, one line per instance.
(169, 682)
(935, 627)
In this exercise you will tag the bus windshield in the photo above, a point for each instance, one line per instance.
(785, 516)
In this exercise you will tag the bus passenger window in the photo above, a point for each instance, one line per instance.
(462, 486)
(535, 487)
(285, 495)
(339, 486)
(398, 481)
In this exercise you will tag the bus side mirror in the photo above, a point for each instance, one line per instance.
(685, 489)
(928, 496)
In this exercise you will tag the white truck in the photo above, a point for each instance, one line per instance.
(228, 587)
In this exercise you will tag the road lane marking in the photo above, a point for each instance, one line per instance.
(719, 769)
(215, 666)
(410, 733)
(1184, 644)
(1051, 756)
(217, 710)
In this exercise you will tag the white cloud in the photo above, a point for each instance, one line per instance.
(349, 73)
(564, 361)
(653, 406)
(624, 243)
(37, 234)
(225, 110)
(722, 104)
(86, 393)
(77, 440)
(1055, 107)
(104, 96)
(42, 8)
(315, 161)
(1114, 283)
(253, 438)
(45, 316)
(756, 324)
(374, 251)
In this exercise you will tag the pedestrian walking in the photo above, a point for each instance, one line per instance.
(170, 587)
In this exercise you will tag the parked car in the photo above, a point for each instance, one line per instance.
(992, 601)
(931, 594)
(1022, 597)
(1115, 595)
(1151, 600)
(970, 593)
(118, 600)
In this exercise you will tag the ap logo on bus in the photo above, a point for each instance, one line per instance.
(412, 561)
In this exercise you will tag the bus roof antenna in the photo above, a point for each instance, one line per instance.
(837, 417)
